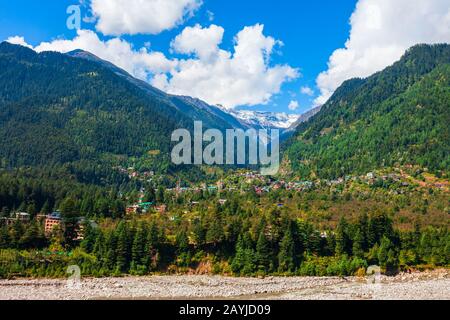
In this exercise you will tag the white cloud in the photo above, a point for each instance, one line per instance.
(293, 105)
(307, 91)
(140, 63)
(117, 17)
(381, 31)
(19, 40)
(204, 42)
(242, 77)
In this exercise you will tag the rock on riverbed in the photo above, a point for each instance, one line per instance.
(426, 285)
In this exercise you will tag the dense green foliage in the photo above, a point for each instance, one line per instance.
(398, 116)
(39, 192)
(248, 235)
(241, 245)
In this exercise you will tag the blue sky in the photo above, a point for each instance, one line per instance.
(309, 30)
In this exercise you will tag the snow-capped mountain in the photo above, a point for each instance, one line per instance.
(263, 119)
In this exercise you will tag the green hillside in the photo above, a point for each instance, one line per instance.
(57, 109)
(395, 117)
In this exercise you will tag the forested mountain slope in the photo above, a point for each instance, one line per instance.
(192, 108)
(57, 108)
(398, 116)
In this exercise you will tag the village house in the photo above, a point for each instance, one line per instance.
(23, 217)
(370, 176)
(51, 222)
(145, 206)
(440, 186)
(134, 209)
(161, 209)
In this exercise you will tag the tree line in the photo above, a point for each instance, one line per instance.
(242, 244)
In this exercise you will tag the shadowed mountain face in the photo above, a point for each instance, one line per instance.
(57, 108)
(199, 110)
(195, 109)
(398, 116)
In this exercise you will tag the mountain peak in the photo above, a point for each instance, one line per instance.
(16, 49)
(79, 53)
(265, 119)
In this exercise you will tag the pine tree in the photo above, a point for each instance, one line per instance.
(122, 251)
(31, 209)
(153, 242)
(372, 234)
(239, 259)
(160, 195)
(109, 262)
(244, 262)
(16, 233)
(89, 237)
(153, 236)
(4, 238)
(70, 214)
(99, 245)
(286, 256)
(263, 253)
(249, 268)
(32, 238)
(342, 239)
(363, 225)
(386, 254)
(182, 241)
(199, 232)
(150, 196)
(87, 206)
(46, 208)
(138, 248)
(215, 233)
(358, 245)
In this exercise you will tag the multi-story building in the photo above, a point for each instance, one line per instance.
(51, 222)
(22, 217)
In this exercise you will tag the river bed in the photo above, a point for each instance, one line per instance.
(431, 285)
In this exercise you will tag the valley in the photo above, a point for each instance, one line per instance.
(86, 177)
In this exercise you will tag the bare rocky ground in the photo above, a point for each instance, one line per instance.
(429, 285)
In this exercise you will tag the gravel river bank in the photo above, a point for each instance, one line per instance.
(425, 285)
